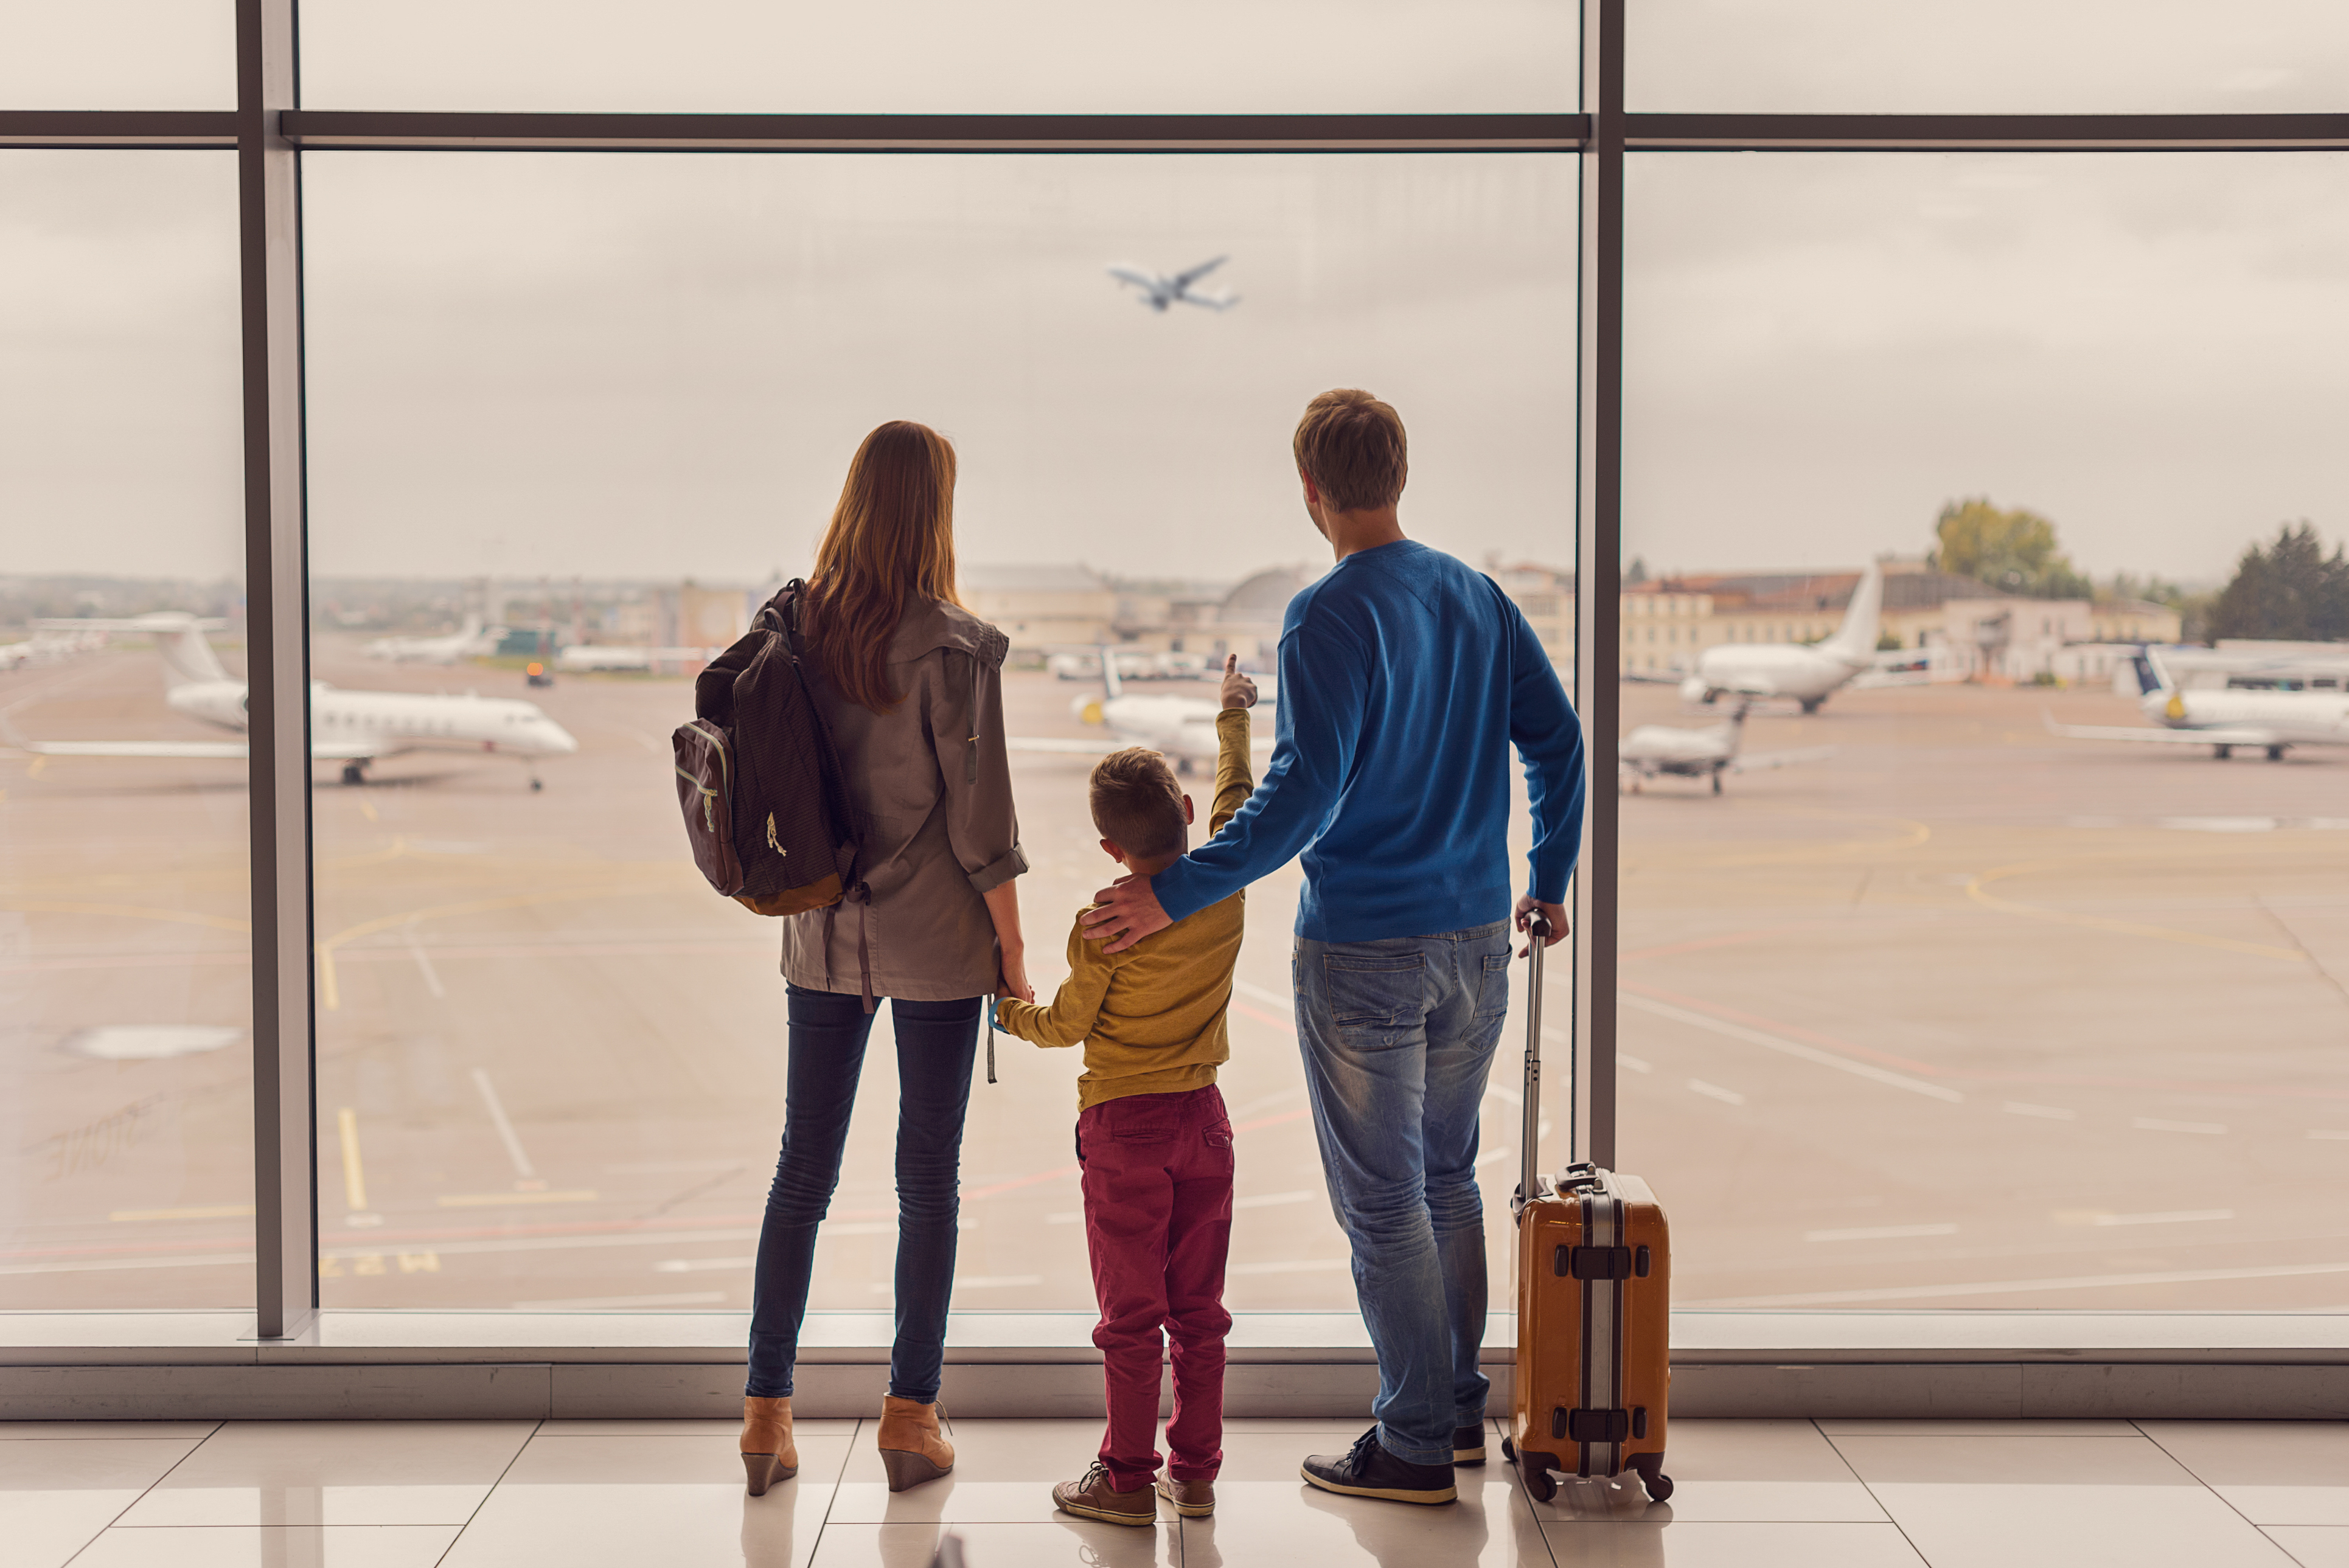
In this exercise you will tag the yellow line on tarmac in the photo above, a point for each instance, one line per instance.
(354, 1174)
(2099, 923)
(217, 1211)
(128, 912)
(36, 767)
(330, 990)
(493, 1199)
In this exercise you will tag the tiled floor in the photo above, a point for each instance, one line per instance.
(587, 1494)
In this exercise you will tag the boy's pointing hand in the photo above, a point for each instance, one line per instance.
(1238, 690)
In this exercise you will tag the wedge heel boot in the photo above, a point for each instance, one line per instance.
(912, 1450)
(768, 1455)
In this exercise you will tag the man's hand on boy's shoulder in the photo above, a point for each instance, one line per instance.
(1239, 691)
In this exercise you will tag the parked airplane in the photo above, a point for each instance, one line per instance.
(352, 727)
(2224, 718)
(1181, 728)
(471, 641)
(50, 642)
(1159, 289)
(587, 658)
(1809, 672)
(1657, 748)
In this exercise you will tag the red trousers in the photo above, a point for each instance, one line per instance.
(1158, 1222)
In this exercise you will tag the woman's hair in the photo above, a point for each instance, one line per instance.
(892, 537)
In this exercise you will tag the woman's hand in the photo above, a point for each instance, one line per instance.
(1015, 975)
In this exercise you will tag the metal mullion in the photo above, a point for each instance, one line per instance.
(1598, 566)
(342, 130)
(116, 128)
(277, 680)
(1662, 132)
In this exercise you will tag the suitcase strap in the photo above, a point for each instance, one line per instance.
(1600, 1426)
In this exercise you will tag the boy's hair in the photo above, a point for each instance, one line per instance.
(1136, 803)
(1352, 446)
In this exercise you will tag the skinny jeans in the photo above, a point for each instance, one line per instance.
(1398, 1037)
(936, 1044)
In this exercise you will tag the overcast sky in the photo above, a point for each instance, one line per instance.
(659, 365)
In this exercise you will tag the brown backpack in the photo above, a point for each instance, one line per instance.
(766, 809)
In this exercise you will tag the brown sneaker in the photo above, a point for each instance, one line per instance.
(1191, 1499)
(1094, 1498)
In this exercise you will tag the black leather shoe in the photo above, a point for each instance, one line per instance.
(1367, 1469)
(1468, 1445)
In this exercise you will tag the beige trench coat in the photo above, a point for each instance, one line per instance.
(934, 787)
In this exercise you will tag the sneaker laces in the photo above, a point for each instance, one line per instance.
(1098, 1472)
(1358, 1456)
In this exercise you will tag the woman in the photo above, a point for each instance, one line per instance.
(911, 685)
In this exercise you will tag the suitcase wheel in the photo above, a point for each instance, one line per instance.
(1540, 1485)
(1659, 1489)
(1650, 1470)
(1508, 1450)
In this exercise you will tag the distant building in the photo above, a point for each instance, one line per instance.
(1173, 615)
(1041, 607)
(1247, 623)
(2134, 621)
(1544, 596)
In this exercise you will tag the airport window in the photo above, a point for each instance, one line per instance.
(573, 403)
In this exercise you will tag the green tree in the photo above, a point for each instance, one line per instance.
(2014, 551)
(2292, 590)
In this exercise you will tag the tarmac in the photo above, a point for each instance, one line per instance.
(1962, 1014)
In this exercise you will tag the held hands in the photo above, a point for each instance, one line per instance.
(1238, 690)
(1015, 975)
(1530, 909)
(1128, 912)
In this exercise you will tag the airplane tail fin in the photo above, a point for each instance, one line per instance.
(2152, 675)
(189, 660)
(1855, 640)
(1112, 687)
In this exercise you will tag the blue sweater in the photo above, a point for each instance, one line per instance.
(1405, 676)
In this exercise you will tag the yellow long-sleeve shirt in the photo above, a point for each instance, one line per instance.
(1152, 1017)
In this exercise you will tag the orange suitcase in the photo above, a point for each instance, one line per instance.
(1594, 1298)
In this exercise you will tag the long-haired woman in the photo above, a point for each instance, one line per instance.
(911, 685)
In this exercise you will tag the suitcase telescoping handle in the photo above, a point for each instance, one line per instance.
(1529, 1144)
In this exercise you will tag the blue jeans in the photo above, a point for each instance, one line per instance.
(1398, 1038)
(936, 1043)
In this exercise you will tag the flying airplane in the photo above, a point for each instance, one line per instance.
(1657, 748)
(471, 641)
(1809, 672)
(352, 727)
(1180, 729)
(1159, 289)
(2223, 718)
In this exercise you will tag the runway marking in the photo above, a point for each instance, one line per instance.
(129, 912)
(1974, 890)
(970, 1282)
(591, 1303)
(702, 1265)
(96, 1265)
(2174, 1217)
(1264, 994)
(1291, 1265)
(346, 1121)
(1066, 1217)
(506, 1133)
(367, 808)
(214, 1211)
(495, 1199)
(1879, 1232)
(2045, 1113)
(2335, 1132)
(1715, 1091)
(2155, 1124)
(1791, 1047)
(37, 766)
(2024, 1286)
(424, 962)
(1275, 1200)
(329, 987)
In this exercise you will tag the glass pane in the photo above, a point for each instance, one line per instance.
(125, 1101)
(1932, 1006)
(605, 403)
(2012, 57)
(120, 54)
(1028, 56)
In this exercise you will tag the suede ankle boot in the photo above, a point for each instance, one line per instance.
(912, 1449)
(768, 1455)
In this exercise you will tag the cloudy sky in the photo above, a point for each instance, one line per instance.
(659, 365)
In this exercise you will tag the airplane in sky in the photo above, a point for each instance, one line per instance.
(2223, 718)
(1160, 290)
(471, 641)
(1180, 729)
(1809, 672)
(352, 727)
(1653, 750)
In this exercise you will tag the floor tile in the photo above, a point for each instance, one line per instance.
(1004, 1472)
(193, 1432)
(234, 1546)
(2273, 1472)
(335, 1473)
(1684, 1545)
(1742, 1472)
(628, 1501)
(1070, 1540)
(1854, 1427)
(2022, 1503)
(56, 1494)
(2313, 1546)
(1283, 1524)
(827, 1427)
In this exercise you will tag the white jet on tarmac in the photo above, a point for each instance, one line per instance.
(471, 641)
(352, 727)
(1808, 673)
(1660, 748)
(1180, 729)
(2223, 719)
(1160, 290)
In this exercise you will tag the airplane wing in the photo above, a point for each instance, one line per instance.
(1756, 761)
(1185, 280)
(2231, 735)
(1134, 276)
(1212, 302)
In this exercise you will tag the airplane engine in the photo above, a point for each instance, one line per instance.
(1086, 709)
(1693, 689)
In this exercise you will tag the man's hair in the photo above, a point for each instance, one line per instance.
(1136, 803)
(1352, 446)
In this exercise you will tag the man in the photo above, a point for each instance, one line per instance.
(1405, 676)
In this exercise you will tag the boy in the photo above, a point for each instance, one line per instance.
(1153, 1137)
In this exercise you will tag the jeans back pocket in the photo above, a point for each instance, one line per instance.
(1375, 991)
(1493, 987)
